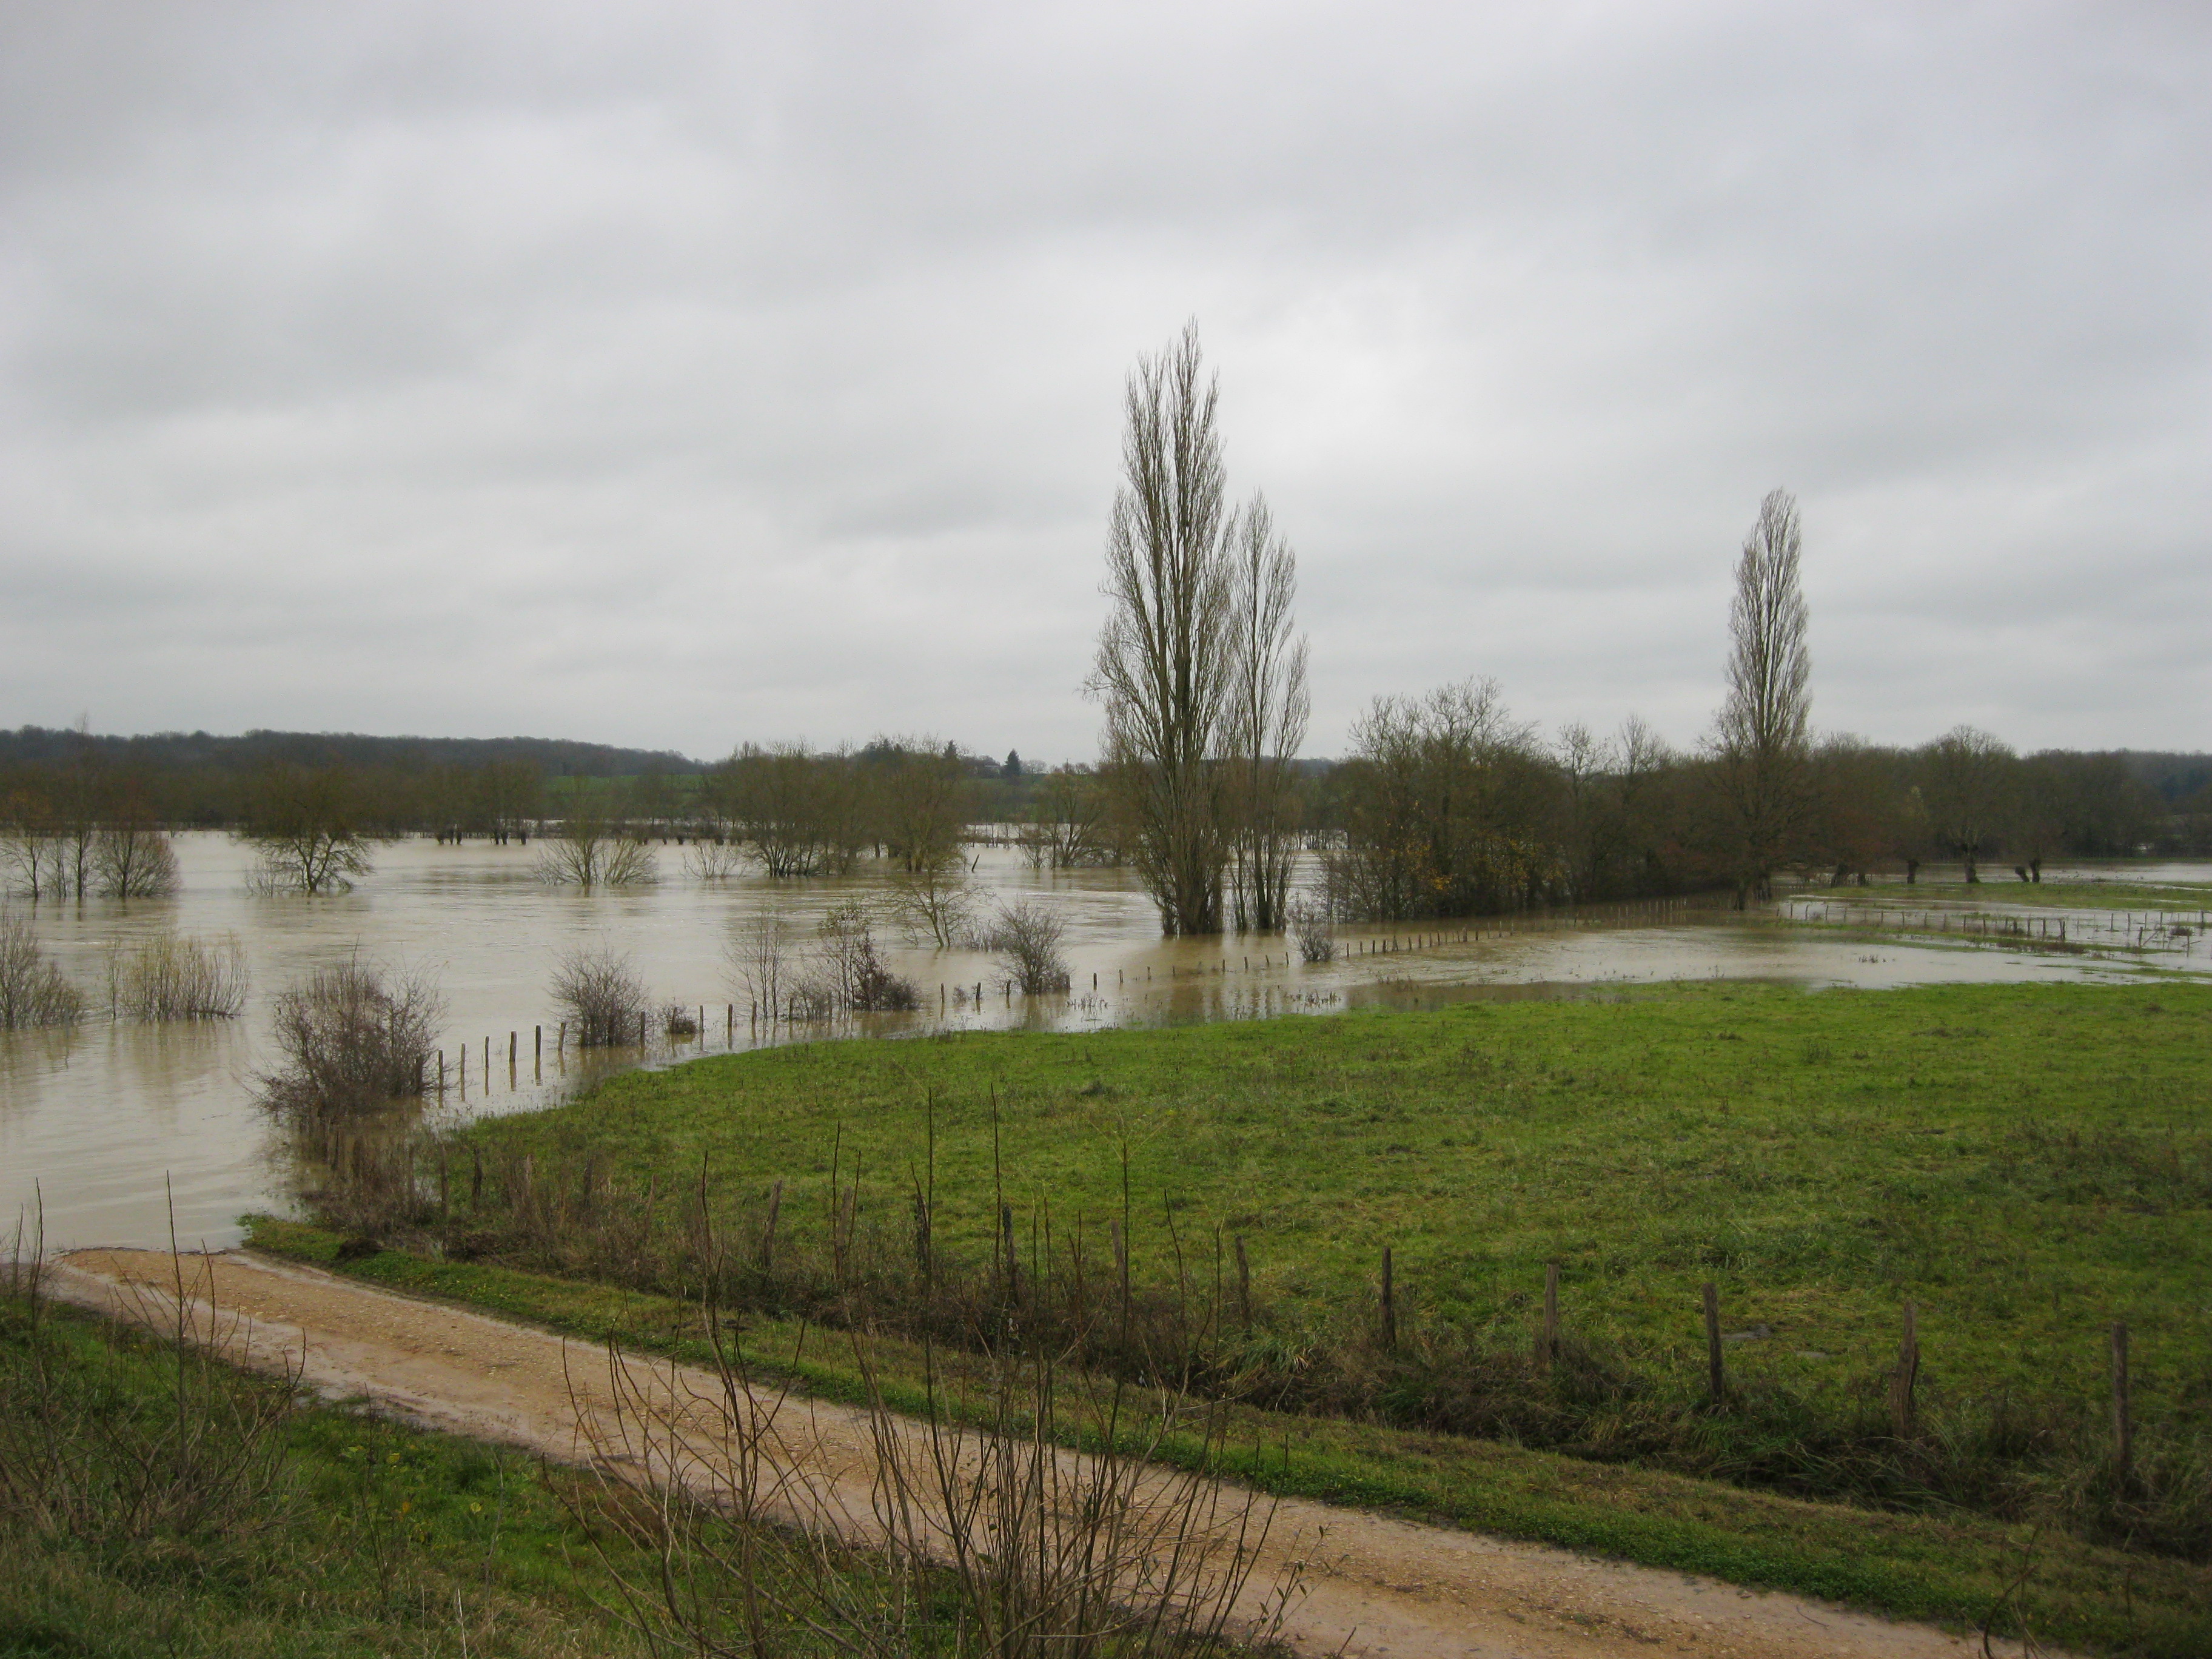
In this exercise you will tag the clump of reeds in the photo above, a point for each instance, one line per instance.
(600, 990)
(354, 1039)
(33, 990)
(175, 977)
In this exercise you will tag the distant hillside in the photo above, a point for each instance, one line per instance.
(193, 751)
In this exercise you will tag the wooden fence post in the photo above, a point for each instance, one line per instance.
(2124, 1430)
(768, 1232)
(1902, 1420)
(1716, 1377)
(1547, 1345)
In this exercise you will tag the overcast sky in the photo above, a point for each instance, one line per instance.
(679, 374)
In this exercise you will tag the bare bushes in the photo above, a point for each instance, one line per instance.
(757, 952)
(1024, 937)
(847, 973)
(33, 990)
(933, 905)
(713, 859)
(600, 990)
(132, 859)
(174, 976)
(353, 1039)
(1313, 928)
(592, 851)
(986, 1541)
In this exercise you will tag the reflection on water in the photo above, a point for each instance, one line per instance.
(96, 1120)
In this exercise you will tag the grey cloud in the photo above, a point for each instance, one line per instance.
(681, 373)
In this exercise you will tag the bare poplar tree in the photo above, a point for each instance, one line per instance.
(1167, 651)
(1267, 716)
(1762, 741)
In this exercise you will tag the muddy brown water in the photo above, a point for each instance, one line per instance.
(112, 1126)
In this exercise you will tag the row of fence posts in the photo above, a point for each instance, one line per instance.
(1383, 947)
(560, 1049)
(1905, 1375)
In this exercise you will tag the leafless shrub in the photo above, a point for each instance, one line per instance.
(174, 976)
(713, 859)
(933, 905)
(592, 851)
(1024, 936)
(600, 990)
(680, 1020)
(132, 859)
(1036, 1550)
(757, 952)
(353, 1039)
(33, 990)
(1313, 926)
(847, 975)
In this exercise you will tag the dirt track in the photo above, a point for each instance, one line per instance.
(1371, 1586)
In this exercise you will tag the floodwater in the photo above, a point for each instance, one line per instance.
(112, 1125)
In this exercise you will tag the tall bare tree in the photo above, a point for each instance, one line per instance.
(1267, 716)
(1762, 743)
(1166, 655)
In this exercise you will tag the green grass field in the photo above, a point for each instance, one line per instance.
(2025, 1163)
(345, 1536)
(1999, 886)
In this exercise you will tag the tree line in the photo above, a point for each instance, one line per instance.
(1447, 805)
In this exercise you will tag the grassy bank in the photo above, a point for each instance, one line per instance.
(2023, 1164)
(2000, 886)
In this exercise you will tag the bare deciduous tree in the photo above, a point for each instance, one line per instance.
(1069, 822)
(933, 905)
(307, 825)
(133, 859)
(1267, 717)
(758, 951)
(1762, 740)
(1166, 653)
(592, 850)
(1967, 779)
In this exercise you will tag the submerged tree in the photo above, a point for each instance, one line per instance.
(1761, 745)
(1167, 652)
(308, 824)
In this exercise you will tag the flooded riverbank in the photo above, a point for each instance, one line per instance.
(111, 1122)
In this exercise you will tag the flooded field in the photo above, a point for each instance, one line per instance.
(111, 1122)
